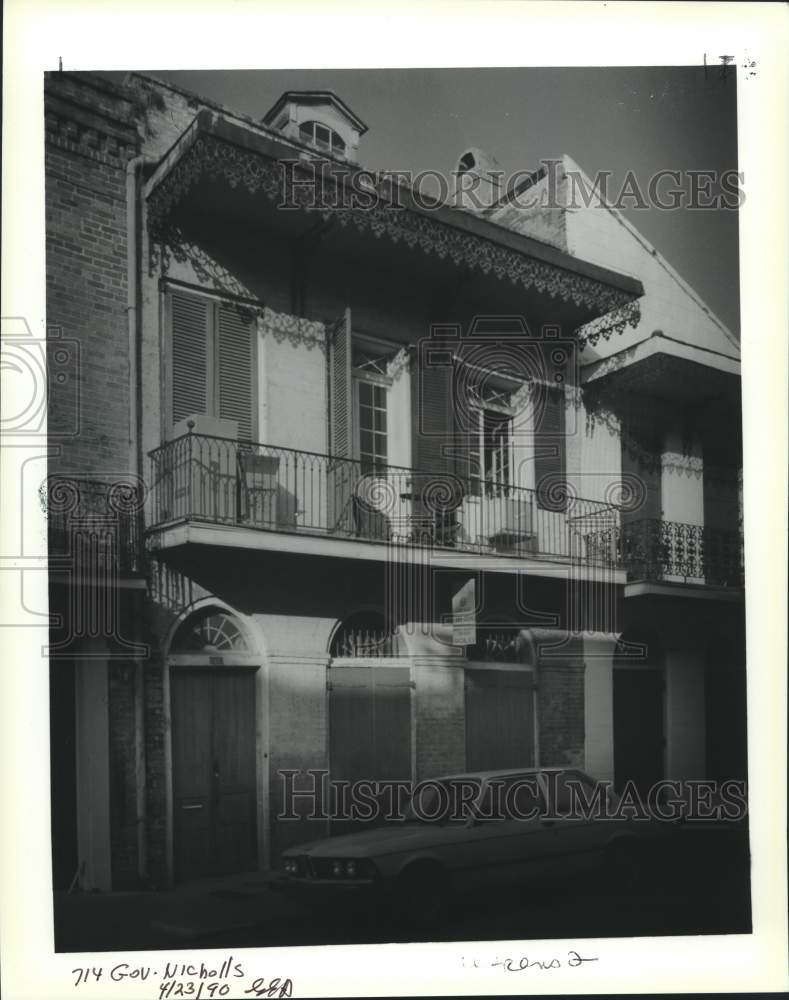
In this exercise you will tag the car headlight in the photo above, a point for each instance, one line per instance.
(341, 868)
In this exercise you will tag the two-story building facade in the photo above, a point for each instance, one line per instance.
(364, 484)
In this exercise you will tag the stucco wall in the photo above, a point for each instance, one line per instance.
(601, 236)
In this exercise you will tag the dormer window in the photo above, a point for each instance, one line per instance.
(322, 137)
(319, 118)
(467, 162)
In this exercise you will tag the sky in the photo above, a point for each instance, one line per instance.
(617, 119)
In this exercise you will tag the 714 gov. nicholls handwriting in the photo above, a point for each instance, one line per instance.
(195, 980)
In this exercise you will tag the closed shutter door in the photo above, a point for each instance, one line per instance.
(466, 453)
(236, 369)
(369, 724)
(340, 389)
(499, 719)
(341, 472)
(190, 319)
(432, 418)
(351, 723)
(432, 428)
(550, 462)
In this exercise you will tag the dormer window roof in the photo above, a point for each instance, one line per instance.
(318, 118)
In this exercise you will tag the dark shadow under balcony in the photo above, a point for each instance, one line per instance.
(203, 479)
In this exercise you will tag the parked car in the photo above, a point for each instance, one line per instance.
(507, 826)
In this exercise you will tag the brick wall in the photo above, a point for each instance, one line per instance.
(560, 700)
(90, 135)
(439, 720)
(123, 802)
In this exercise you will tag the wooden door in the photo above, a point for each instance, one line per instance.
(214, 771)
(499, 719)
(369, 725)
(638, 728)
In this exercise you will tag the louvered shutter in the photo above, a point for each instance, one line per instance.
(369, 725)
(499, 719)
(341, 473)
(340, 388)
(190, 319)
(236, 369)
(550, 463)
(432, 417)
(467, 457)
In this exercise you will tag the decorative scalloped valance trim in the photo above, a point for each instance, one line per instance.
(284, 326)
(212, 158)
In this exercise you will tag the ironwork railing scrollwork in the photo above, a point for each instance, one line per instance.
(110, 510)
(653, 549)
(199, 477)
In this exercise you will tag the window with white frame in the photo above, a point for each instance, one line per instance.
(371, 423)
(322, 137)
(490, 452)
(370, 361)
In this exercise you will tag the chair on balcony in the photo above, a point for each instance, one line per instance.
(368, 522)
(258, 489)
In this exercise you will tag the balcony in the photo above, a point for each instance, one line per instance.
(202, 480)
(95, 527)
(668, 551)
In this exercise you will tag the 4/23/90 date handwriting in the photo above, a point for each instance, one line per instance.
(197, 981)
(260, 987)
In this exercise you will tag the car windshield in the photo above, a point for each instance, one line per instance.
(515, 796)
(444, 800)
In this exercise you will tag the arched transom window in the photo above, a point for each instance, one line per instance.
(365, 633)
(210, 632)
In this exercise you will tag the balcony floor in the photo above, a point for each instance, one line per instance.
(176, 535)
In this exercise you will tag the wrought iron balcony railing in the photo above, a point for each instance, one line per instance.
(198, 477)
(651, 549)
(95, 526)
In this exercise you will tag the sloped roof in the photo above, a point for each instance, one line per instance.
(600, 234)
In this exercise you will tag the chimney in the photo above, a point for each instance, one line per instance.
(478, 181)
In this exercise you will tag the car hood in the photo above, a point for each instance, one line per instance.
(382, 840)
